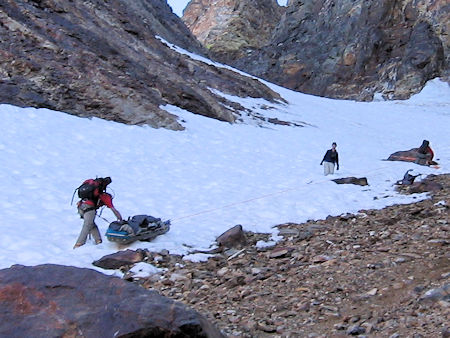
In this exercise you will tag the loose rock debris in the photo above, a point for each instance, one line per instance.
(375, 273)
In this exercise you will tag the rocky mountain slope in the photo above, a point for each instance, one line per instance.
(378, 273)
(336, 48)
(106, 59)
(229, 28)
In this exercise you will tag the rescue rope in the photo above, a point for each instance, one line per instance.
(207, 211)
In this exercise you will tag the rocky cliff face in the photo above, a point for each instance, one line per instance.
(353, 49)
(105, 59)
(228, 28)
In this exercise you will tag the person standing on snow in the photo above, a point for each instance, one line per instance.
(331, 157)
(93, 196)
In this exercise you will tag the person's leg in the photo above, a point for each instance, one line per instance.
(96, 234)
(325, 168)
(331, 168)
(88, 217)
(328, 168)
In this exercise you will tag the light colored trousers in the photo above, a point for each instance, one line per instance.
(328, 168)
(89, 226)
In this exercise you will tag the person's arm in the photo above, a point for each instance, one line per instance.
(117, 214)
(107, 200)
(337, 161)
(324, 156)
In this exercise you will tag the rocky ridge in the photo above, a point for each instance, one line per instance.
(341, 48)
(229, 28)
(376, 273)
(108, 59)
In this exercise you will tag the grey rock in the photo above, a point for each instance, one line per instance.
(356, 330)
(433, 295)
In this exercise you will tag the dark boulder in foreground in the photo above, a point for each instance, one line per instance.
(61, 301)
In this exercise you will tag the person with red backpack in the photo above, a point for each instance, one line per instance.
(93, 195)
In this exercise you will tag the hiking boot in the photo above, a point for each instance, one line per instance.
(98, 242)
(77, 245)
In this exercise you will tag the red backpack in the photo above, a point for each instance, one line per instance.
(92, 188)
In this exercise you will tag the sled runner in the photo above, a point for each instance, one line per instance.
(136, 228)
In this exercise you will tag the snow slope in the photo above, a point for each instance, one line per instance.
(209, 177)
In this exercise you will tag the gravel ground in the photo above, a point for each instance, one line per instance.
(378, 273)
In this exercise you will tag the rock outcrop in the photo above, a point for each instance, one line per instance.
(107, 59)
(349, 49)
(229, 28)
(60, 301)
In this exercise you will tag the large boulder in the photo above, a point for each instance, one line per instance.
(61, 301)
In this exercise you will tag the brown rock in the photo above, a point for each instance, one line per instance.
(120, 259)
(88, 303)
(280, 252)
(232, 238)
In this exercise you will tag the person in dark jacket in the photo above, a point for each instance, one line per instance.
(331, 158)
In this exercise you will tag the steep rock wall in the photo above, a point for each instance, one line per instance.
(348, 48)
(106, 59)
(228, 28)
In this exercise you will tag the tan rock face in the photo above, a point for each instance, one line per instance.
(229, 27)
